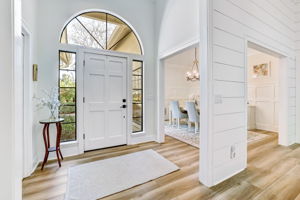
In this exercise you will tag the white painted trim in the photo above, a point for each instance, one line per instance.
(28, 108)
(179, 48)
(206, 93)
(160, 102)
(283, 86)
(16, 137)
(141, 139)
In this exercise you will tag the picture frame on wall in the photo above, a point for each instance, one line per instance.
(262, 70)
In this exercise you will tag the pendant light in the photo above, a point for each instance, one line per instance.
(194, 75)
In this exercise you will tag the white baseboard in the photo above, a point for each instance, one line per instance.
(266, 127)
(141, 139)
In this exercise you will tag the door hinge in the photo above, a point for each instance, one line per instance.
(84, 63)
(84, 136)
(83, 100)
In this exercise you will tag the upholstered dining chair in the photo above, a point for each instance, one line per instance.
(176, 113)
(193, 116)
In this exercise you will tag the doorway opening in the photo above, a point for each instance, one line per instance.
(181, 84)
(264, 98)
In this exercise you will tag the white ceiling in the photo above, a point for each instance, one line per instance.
(185, 58)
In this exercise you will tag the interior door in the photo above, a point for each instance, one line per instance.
(105, 112)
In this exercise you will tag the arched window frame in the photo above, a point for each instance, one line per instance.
(71, 48)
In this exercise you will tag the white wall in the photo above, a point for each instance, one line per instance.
(230, 23)
(179, 26)
(263, 92)
(6, 101)
(10, 143)
(296, 73)
(176, 85)
(53, 15)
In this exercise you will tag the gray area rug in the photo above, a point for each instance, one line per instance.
(102, 178)
(191, 138)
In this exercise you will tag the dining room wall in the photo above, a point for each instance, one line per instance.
(177, 87)
(263, 91)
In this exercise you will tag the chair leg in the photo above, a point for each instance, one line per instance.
(196, 127)
(178, 123)
(170, 118)
(189, 126)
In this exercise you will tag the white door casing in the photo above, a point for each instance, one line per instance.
(105, 89)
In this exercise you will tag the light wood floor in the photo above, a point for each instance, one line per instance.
(273, 173)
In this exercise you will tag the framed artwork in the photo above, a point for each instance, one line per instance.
(262, 70)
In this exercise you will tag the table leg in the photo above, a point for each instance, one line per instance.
(58, 143)
(46, 142)
(60, 130)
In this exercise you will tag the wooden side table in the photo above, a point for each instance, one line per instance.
(46, 137)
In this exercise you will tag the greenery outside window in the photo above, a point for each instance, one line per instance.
(67, 94)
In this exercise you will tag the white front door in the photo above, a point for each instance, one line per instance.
(105, 112)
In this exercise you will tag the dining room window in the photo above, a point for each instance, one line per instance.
(67, 94)
(137, 96)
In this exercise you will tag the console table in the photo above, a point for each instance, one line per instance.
(46, 137)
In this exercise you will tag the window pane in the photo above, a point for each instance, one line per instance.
(137, 96)
(137, 125)
(67, 61)
(137, 110)
(69, 118)
(67, 109)
(67, 96)
(76, 34)
(96, 25)
(137, 82)
(67, 78)
(68, 132)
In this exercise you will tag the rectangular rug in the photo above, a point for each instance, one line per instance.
(102, 178)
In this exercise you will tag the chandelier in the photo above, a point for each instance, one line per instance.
(193, 75)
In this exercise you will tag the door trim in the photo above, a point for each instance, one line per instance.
(28, 160)
(80, 93)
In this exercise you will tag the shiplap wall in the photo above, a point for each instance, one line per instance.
(270, 23)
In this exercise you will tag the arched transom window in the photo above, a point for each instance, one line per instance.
(101, 31)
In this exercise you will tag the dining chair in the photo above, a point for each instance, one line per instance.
(176, 113)
(193, 116)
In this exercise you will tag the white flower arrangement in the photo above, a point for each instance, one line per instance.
(50, 101)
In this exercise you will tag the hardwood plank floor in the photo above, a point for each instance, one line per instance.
(273, 173)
